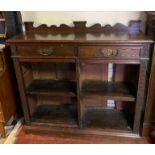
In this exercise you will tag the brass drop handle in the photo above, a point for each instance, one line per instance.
(46, 51)
(109, 52)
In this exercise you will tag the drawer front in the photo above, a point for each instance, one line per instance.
(46, 50)
(109, 52)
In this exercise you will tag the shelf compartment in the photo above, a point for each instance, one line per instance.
(52, 87)
(119, 91)
(100, 118)
(63, 115)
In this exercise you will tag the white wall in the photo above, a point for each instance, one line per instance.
(66, 17)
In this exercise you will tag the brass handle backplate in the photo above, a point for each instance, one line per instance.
(46, 51)
(109, 52)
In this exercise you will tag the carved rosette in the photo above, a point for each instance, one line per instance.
(144, 53)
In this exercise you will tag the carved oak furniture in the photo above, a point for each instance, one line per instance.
(65, 84)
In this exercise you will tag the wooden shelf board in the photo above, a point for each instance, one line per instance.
(99, 118)
(118, 91)
(52, 87)
(56, 115)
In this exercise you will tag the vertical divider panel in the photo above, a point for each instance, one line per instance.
(118, 76)
(21, 86)
(78, 80)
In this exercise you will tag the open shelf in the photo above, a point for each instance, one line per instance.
(100, 118)
(119, 91)
(64, 115)
(52, 87)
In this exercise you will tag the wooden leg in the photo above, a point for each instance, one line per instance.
(140, 96)
(2, 130)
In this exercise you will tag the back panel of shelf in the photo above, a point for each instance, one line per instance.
(49, 71)
(93, 72)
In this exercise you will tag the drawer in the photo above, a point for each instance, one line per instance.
(46, 50)
(109, 52)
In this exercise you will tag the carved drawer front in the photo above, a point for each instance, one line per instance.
(109, 52)
(46, 50)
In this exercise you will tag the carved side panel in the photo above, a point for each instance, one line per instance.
(144, 53)
(140, 100)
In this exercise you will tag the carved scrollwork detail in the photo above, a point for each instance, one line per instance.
(144, 52)
(109, 52)
(46, 51)
(80, 26)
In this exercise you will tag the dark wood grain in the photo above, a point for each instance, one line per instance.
(100, 52)
(23, 138)
(81, 34)
(149, 117)
(21, 87)
(79, 104)
(52, 87)
(46, 37)
(58, 115)
(140, 100)
(100, 118)
(54, 51)
(80, 26)
(118, 91)
(40, 129)
(8, 96)
(2, 130)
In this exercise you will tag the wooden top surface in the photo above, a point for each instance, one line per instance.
(29, 37)
(80, 33)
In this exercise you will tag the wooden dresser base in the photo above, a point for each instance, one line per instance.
(36, 129)
(62, 74)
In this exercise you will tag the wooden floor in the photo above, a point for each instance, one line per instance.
(22, 138)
